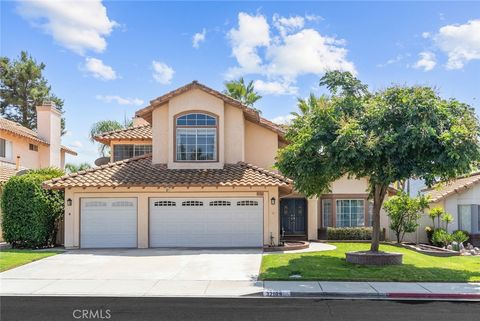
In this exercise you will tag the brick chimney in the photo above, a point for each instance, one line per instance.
(49, 129)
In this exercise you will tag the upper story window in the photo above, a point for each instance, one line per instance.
(196, 138)
(33, 147)
(5, 148)
(124, 151)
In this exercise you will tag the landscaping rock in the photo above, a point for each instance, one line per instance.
(450, 247)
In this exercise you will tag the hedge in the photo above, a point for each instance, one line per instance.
(349, 233)
(30, 213)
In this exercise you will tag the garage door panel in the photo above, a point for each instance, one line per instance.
(216, 222)
(108, 222)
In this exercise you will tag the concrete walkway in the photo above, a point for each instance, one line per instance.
(313, 247)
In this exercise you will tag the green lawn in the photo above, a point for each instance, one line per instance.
(13, 258)
(331, 265)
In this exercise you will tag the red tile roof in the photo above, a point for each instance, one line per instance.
(445, 189)
(140, 172)
(16, 129)
(143, 132)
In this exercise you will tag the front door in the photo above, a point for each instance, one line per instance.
(293, 216)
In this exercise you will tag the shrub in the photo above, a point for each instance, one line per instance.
(429, 230)
(468, 240)
(349, 233)
(441, 237)
(436, 213)
(30, 213)
(460, 237)
(404, 213)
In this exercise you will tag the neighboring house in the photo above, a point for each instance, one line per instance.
(461, 198)
(199, 174)
(22, 148)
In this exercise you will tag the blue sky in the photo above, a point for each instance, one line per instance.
(108, 59)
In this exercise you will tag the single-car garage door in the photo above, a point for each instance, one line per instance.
(206, 222)
(108, 222)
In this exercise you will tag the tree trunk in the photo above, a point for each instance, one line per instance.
(379, 191)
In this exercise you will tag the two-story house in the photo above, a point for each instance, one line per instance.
(198, 173)
(22, 148)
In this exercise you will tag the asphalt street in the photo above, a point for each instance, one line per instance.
(278, 309)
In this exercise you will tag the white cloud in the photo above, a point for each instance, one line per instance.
(76, 144)
(426, 62)
(162, 73)
(198, 38)
(284, 52)
(99, 70)
(76, 25)
(285, 119)
(288, 25)
(461, 43)
(307, 52)
(426, 35)
(120, 100)
(252, 32)
(274, 87)
(392, 61)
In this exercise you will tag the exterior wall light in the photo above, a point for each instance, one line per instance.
(272, 201)
(69, 202)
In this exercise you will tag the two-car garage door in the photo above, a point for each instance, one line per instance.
(206, 222)
(173, 222)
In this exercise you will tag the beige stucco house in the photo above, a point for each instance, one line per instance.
(196, 171)
(460, 198)
(22, 148)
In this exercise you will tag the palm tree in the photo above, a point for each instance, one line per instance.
(246, 94)
(106, 126)
(72, 168)
(312, 103)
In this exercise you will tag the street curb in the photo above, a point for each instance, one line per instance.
(455, 296)
(370, 295)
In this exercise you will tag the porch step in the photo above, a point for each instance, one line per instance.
(295, 238)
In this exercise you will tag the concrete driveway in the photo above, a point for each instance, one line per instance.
(136, 272)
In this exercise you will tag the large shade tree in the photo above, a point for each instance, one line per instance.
(386, 136)
(22, 88)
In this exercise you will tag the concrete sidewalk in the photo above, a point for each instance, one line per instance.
(218, 288)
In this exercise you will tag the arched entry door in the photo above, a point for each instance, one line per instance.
(293, 216)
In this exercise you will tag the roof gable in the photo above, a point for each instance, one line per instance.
(250, 114)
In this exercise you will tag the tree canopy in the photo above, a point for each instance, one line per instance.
(386, 136)
(245, 93)
(22, 88)
(103, 126)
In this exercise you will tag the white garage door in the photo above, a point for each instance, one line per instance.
(206, 222)
(108, 222)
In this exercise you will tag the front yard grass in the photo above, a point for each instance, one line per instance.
(331, 266)
(12, 258)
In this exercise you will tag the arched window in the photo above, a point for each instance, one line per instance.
(196, 137)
